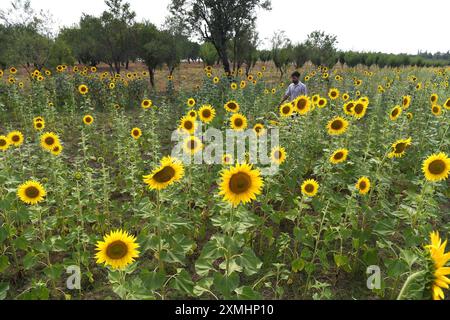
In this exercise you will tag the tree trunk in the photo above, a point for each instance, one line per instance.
(152, 77)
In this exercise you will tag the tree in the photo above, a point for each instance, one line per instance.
(301, 55)
(218, 21)
(208, 53)
(281, 52)
(322, 48)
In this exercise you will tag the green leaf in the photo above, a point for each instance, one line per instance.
(4, 287)
(247, 293)
(342, 262)
(4, 263)
(29, 260)
(249, 261)
(3, 234)
(226, 284)
(183, 282)
(153, 280)
(298, 265)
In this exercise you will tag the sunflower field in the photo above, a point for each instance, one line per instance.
(94, 206)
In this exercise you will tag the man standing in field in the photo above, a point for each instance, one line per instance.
(295, 89)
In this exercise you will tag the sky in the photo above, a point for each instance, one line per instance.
(390, 26)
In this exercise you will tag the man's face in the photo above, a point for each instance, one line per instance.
(294, 80)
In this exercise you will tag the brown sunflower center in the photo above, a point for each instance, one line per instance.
(359, 108)
(238, 122)
(38, 124)
(362, 185)
(117, 250)
(337, 125)
(164, 175)
(333, 93)
(188, 125)
(240, 183)
(286, 110)
(206, 113)
(2, 142)
(88, 120)
(135, 133)
(309, 188)
(395, 112)
(232, 105)
(435, 109)
(301, 104)
(258, 129)
(436, 167)
(49, 141)
(192, 144)
(400, 147)
(32, 192)
(339, 155)
(321, 102)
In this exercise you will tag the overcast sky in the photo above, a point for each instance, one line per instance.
(391, 26)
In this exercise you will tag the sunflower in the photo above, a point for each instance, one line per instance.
(406, 102)
(207, 113)
(12, 70)
(192, 145)
(188, 124)
(88, 120)
(216, 80)
(49, 140)
(359, 110)
(233, 86)
(232, 106)
(227, 159)
(278, 155)
(333, 93)
(315, 98)
(310, 188)
(345, 96)
(259, 129)
(339, 156)
(302, 104)
(436, 167)
(4, 143)
(399, 148)
(238, 122)
(31, 192)
(337, 126)
(447, 104)
(286, 110)
(136, 133)
(439, 259)
(83, 89)
(117, 250)
(16, 138)
(112, 85)
(363, 185)
(322, 103)
(191, 102)
(170, 171)
(146, 103)
(240, 184)
(436, 110)
(395, 113)
(56, 150)
(243, 84)
(348, 108)
(434, 98)
(39, 125)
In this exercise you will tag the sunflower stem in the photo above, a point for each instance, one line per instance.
(407, 283)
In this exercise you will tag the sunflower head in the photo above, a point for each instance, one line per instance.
(322, 103)
(238, 122)
(188, 125)
(333, 94)
(434, 98)
(278, 155)
(399, 148)
(310, 188)
(259, 129)
(49, 140)
(136, 133)
(169, 171)
(56, 150)
(192, 145)
(207, 113)
(227, 159)
(88, 120)
(339, 156)
(447, 104)
(240, 184)
(359, 110)
(302, 104)
(363, 185)
(337, 126)
(436, 167)
(16, 138)
(4, 143)
(348, 108)
(439, 259)
(31, 192)
(232, 106)
(191, 102)
(436, 110)
(117, 250)
(395, 113)
(83, 89)
(286, 110)
(146, 104)
(406, 102)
